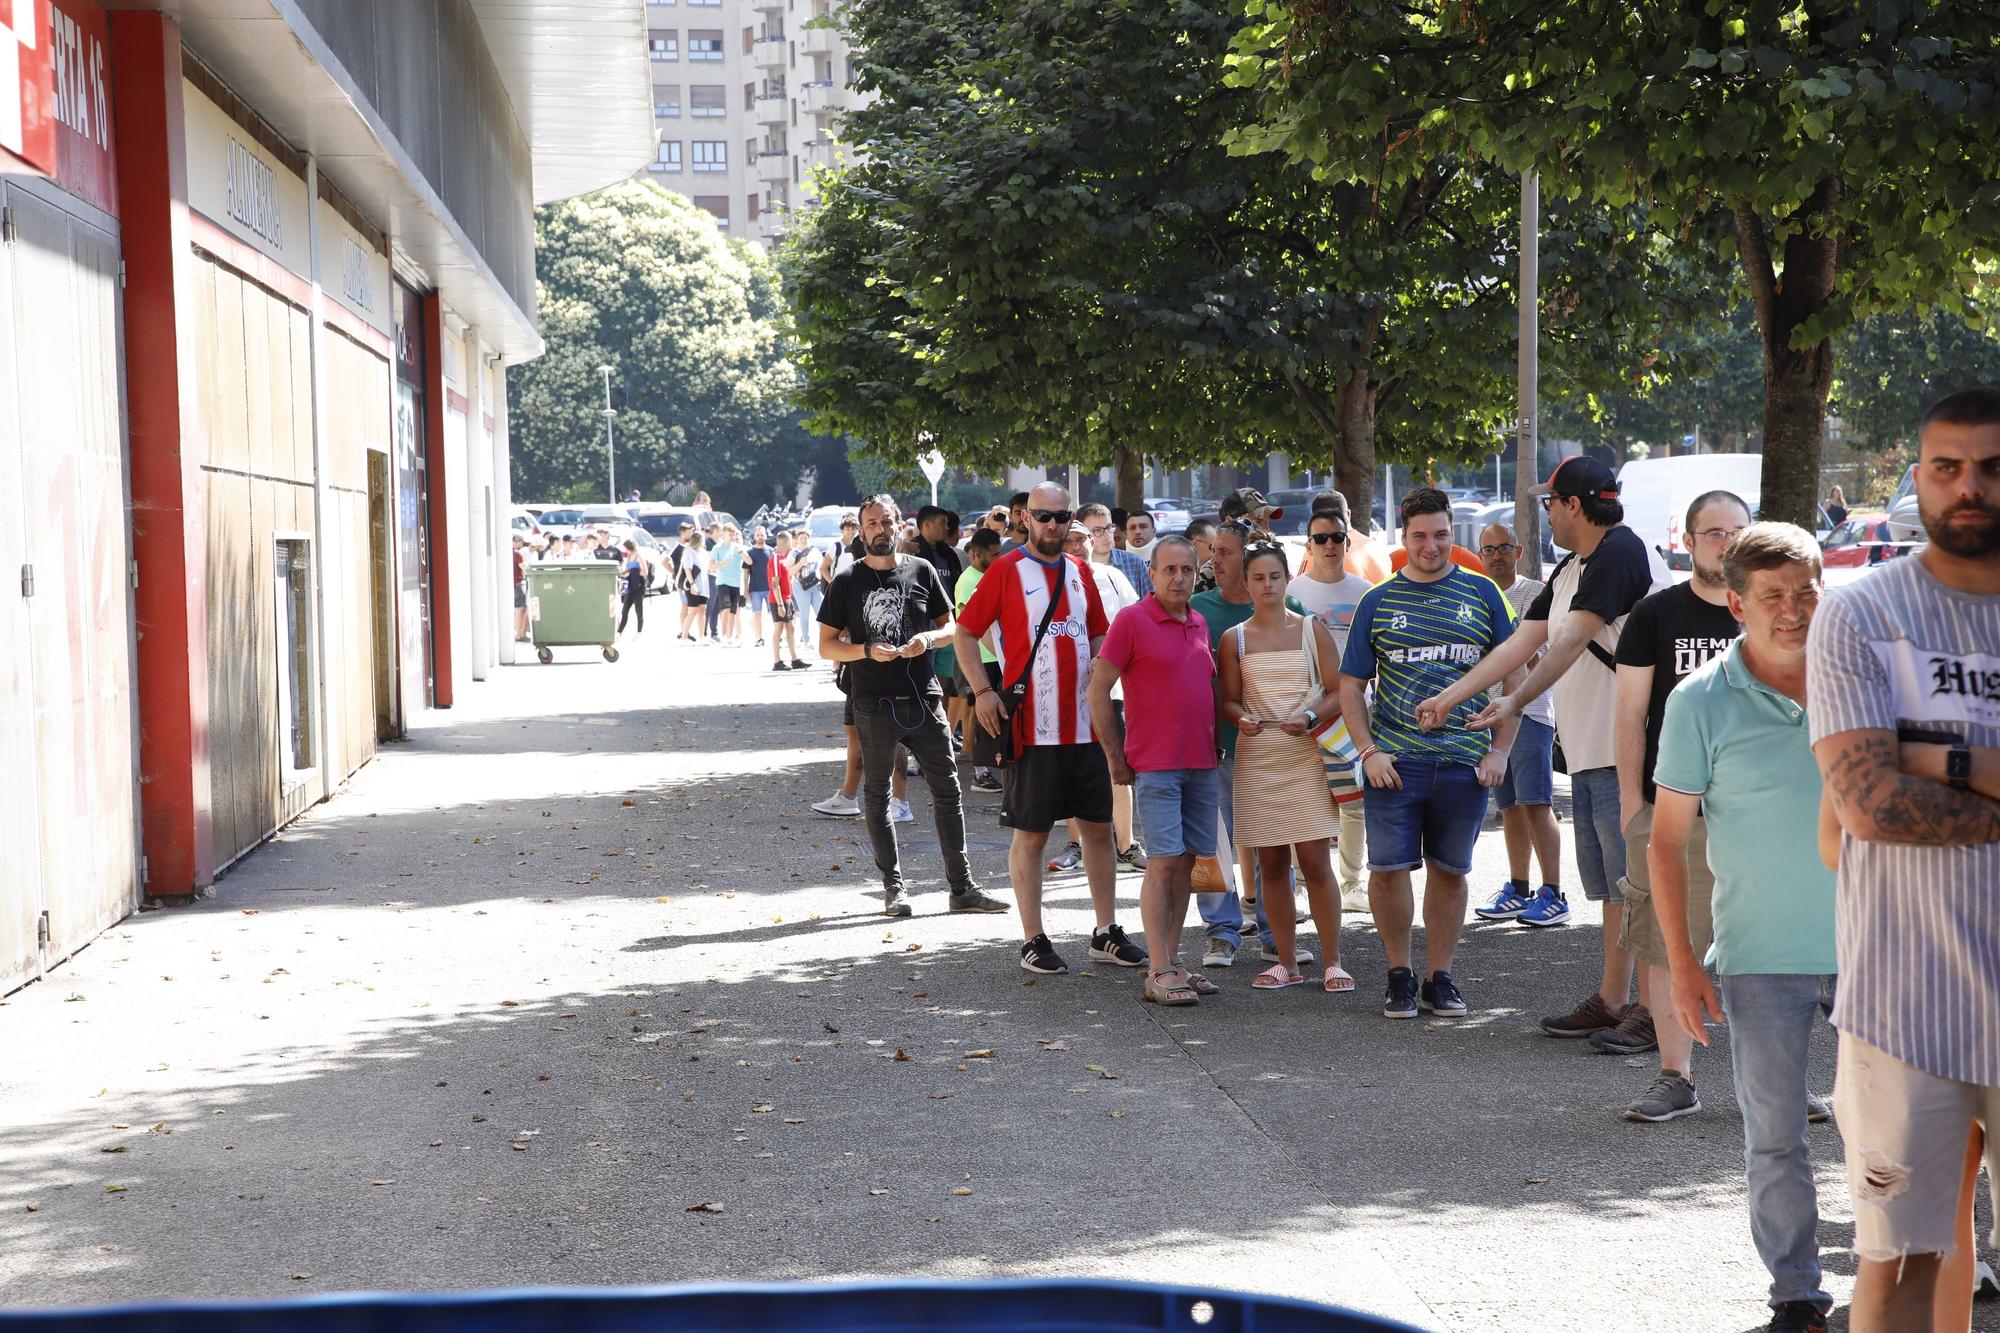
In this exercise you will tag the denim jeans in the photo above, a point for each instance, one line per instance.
(808, 600)
(1600, 841)
(1770, 1028)
(1222, 913)
(882, 724)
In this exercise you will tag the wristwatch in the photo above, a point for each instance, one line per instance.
(1958, 767)
(1312, 719)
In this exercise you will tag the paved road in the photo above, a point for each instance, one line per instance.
(575, 959)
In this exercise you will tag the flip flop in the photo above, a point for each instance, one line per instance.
(1173, 996)
(1275, 977)
(1337, 979)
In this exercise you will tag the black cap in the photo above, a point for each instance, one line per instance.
(1580, 476)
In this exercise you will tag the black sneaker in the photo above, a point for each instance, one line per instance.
(1798, 1317)
(798, 665)
(975, 901)
(1401, 1000)
(984, 780)
(1440, 996)
(779, 666)
(1038, 955)
(1109, 945)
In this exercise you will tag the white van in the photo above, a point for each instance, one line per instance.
(1657, 491)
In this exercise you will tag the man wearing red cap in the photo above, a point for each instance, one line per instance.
(1579, 616)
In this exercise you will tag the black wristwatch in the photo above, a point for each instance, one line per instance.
(1958, 767)
(1312, 719)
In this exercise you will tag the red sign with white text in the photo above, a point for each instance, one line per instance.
(55, 75)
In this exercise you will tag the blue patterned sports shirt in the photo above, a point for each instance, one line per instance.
(1418, 639)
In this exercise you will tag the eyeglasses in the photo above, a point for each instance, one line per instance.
(1718, 534)
(1322, 538)
(1099, 530)
(1503, 548)
(1051, 515)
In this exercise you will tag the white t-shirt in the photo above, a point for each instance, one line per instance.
(1332, 603)
(1117, 593)
(1520, 595)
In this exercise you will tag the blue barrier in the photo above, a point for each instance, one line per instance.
(1012, 1305)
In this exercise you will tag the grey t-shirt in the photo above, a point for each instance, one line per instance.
(1918, 927)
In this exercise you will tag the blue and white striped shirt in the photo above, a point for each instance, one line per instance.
(1918, 927)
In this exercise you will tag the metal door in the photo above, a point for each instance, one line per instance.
(73, 646)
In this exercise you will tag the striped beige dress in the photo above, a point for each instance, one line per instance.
(1281, 791)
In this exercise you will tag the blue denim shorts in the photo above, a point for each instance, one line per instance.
(1531, 775)
(1178, 809)
(1434, 816)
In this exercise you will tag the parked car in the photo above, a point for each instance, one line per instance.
(664, 521)
(1864, 539)
(523, 522)
(562, 516)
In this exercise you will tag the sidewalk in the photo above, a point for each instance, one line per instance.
(577, 959)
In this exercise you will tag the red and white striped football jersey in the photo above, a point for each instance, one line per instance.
(1014, 594)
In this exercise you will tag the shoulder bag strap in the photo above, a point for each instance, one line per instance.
(1028, 663)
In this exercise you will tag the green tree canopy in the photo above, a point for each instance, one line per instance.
(1849, 150)
(640, 279)
(1048, 253)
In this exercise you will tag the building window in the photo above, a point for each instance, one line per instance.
(749, 97)
(752, 213)
(704, 44)
(749, 40)
(712, 155)
(718, 204)
(667, 101)
(711, 4)
(658, 4)
(669, 156)
(663, 44)
(708, 101)
(293, 587)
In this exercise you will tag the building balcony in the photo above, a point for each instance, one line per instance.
(768, 6)
(769, 52)
(774, 168)
(821, 98)
(820, 41)
(771, 226)
(772, 109)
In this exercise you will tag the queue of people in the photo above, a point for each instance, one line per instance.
(1785, 800)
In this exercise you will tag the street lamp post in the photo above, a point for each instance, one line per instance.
(610, 455)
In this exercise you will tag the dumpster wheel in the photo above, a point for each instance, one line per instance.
(610, 653)
(546, 655)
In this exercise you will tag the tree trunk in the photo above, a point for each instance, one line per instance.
(1796, 379)
(1354, 448)
(1129, 467)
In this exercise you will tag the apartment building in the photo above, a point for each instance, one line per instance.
(747, 95)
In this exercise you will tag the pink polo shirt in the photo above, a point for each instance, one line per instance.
(1168, 672)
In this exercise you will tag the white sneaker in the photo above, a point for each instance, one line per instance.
(1354, 900)
(1304, 959)
(843, 807)
(900, 812)
(1221, 953)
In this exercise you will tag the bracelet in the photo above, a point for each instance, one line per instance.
(983, 690)
(1370, 753)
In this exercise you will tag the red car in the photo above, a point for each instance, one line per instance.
(1863, 539)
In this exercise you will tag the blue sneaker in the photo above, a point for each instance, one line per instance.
(1505, 905)
(1440, 996)
(1549, 908)
(1401, 1000)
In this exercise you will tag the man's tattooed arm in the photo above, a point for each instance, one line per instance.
(1877, 802)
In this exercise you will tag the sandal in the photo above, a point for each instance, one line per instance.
(1337, 979)
(1173, 996)
(1275, 977)
(1201, 985)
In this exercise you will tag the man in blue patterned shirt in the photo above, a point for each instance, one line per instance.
(1415, 635)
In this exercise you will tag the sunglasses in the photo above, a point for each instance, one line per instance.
(1051, 515)
(1322, 538)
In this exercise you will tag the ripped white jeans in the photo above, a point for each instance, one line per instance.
(1905, 1131)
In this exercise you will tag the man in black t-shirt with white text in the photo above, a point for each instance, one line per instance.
(895, 611)
(1667, 636)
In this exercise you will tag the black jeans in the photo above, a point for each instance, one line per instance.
(632, 604)
(882, 723)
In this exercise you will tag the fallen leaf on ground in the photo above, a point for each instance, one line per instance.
(912, 948)
(389, 1181)
(115, 1147)
(961, 1192)
(1117, 1115)
(705, 1206)
(762, 1108)
(983, 1053)
(878, 1192)
(121, 1125)
(1100, 1071)
(114, 1189)
(1534, 1180)
(794, 1120)
(901, 1055)
(34, 1205)
(510, 1004)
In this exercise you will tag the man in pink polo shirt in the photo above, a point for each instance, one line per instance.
(1165, 750)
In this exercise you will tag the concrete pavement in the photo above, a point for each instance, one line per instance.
(576, 959)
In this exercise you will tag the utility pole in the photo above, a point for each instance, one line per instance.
(1527, 513)
(610, 455)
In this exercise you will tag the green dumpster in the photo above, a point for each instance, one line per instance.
(573, 604)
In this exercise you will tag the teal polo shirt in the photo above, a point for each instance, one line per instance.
(1744, 749)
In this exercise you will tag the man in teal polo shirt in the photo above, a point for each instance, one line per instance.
(1734, 744)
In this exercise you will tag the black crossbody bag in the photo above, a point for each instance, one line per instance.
(990, 751)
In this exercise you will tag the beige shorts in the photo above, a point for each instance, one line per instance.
(1640, 934)
(1905, 1132)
